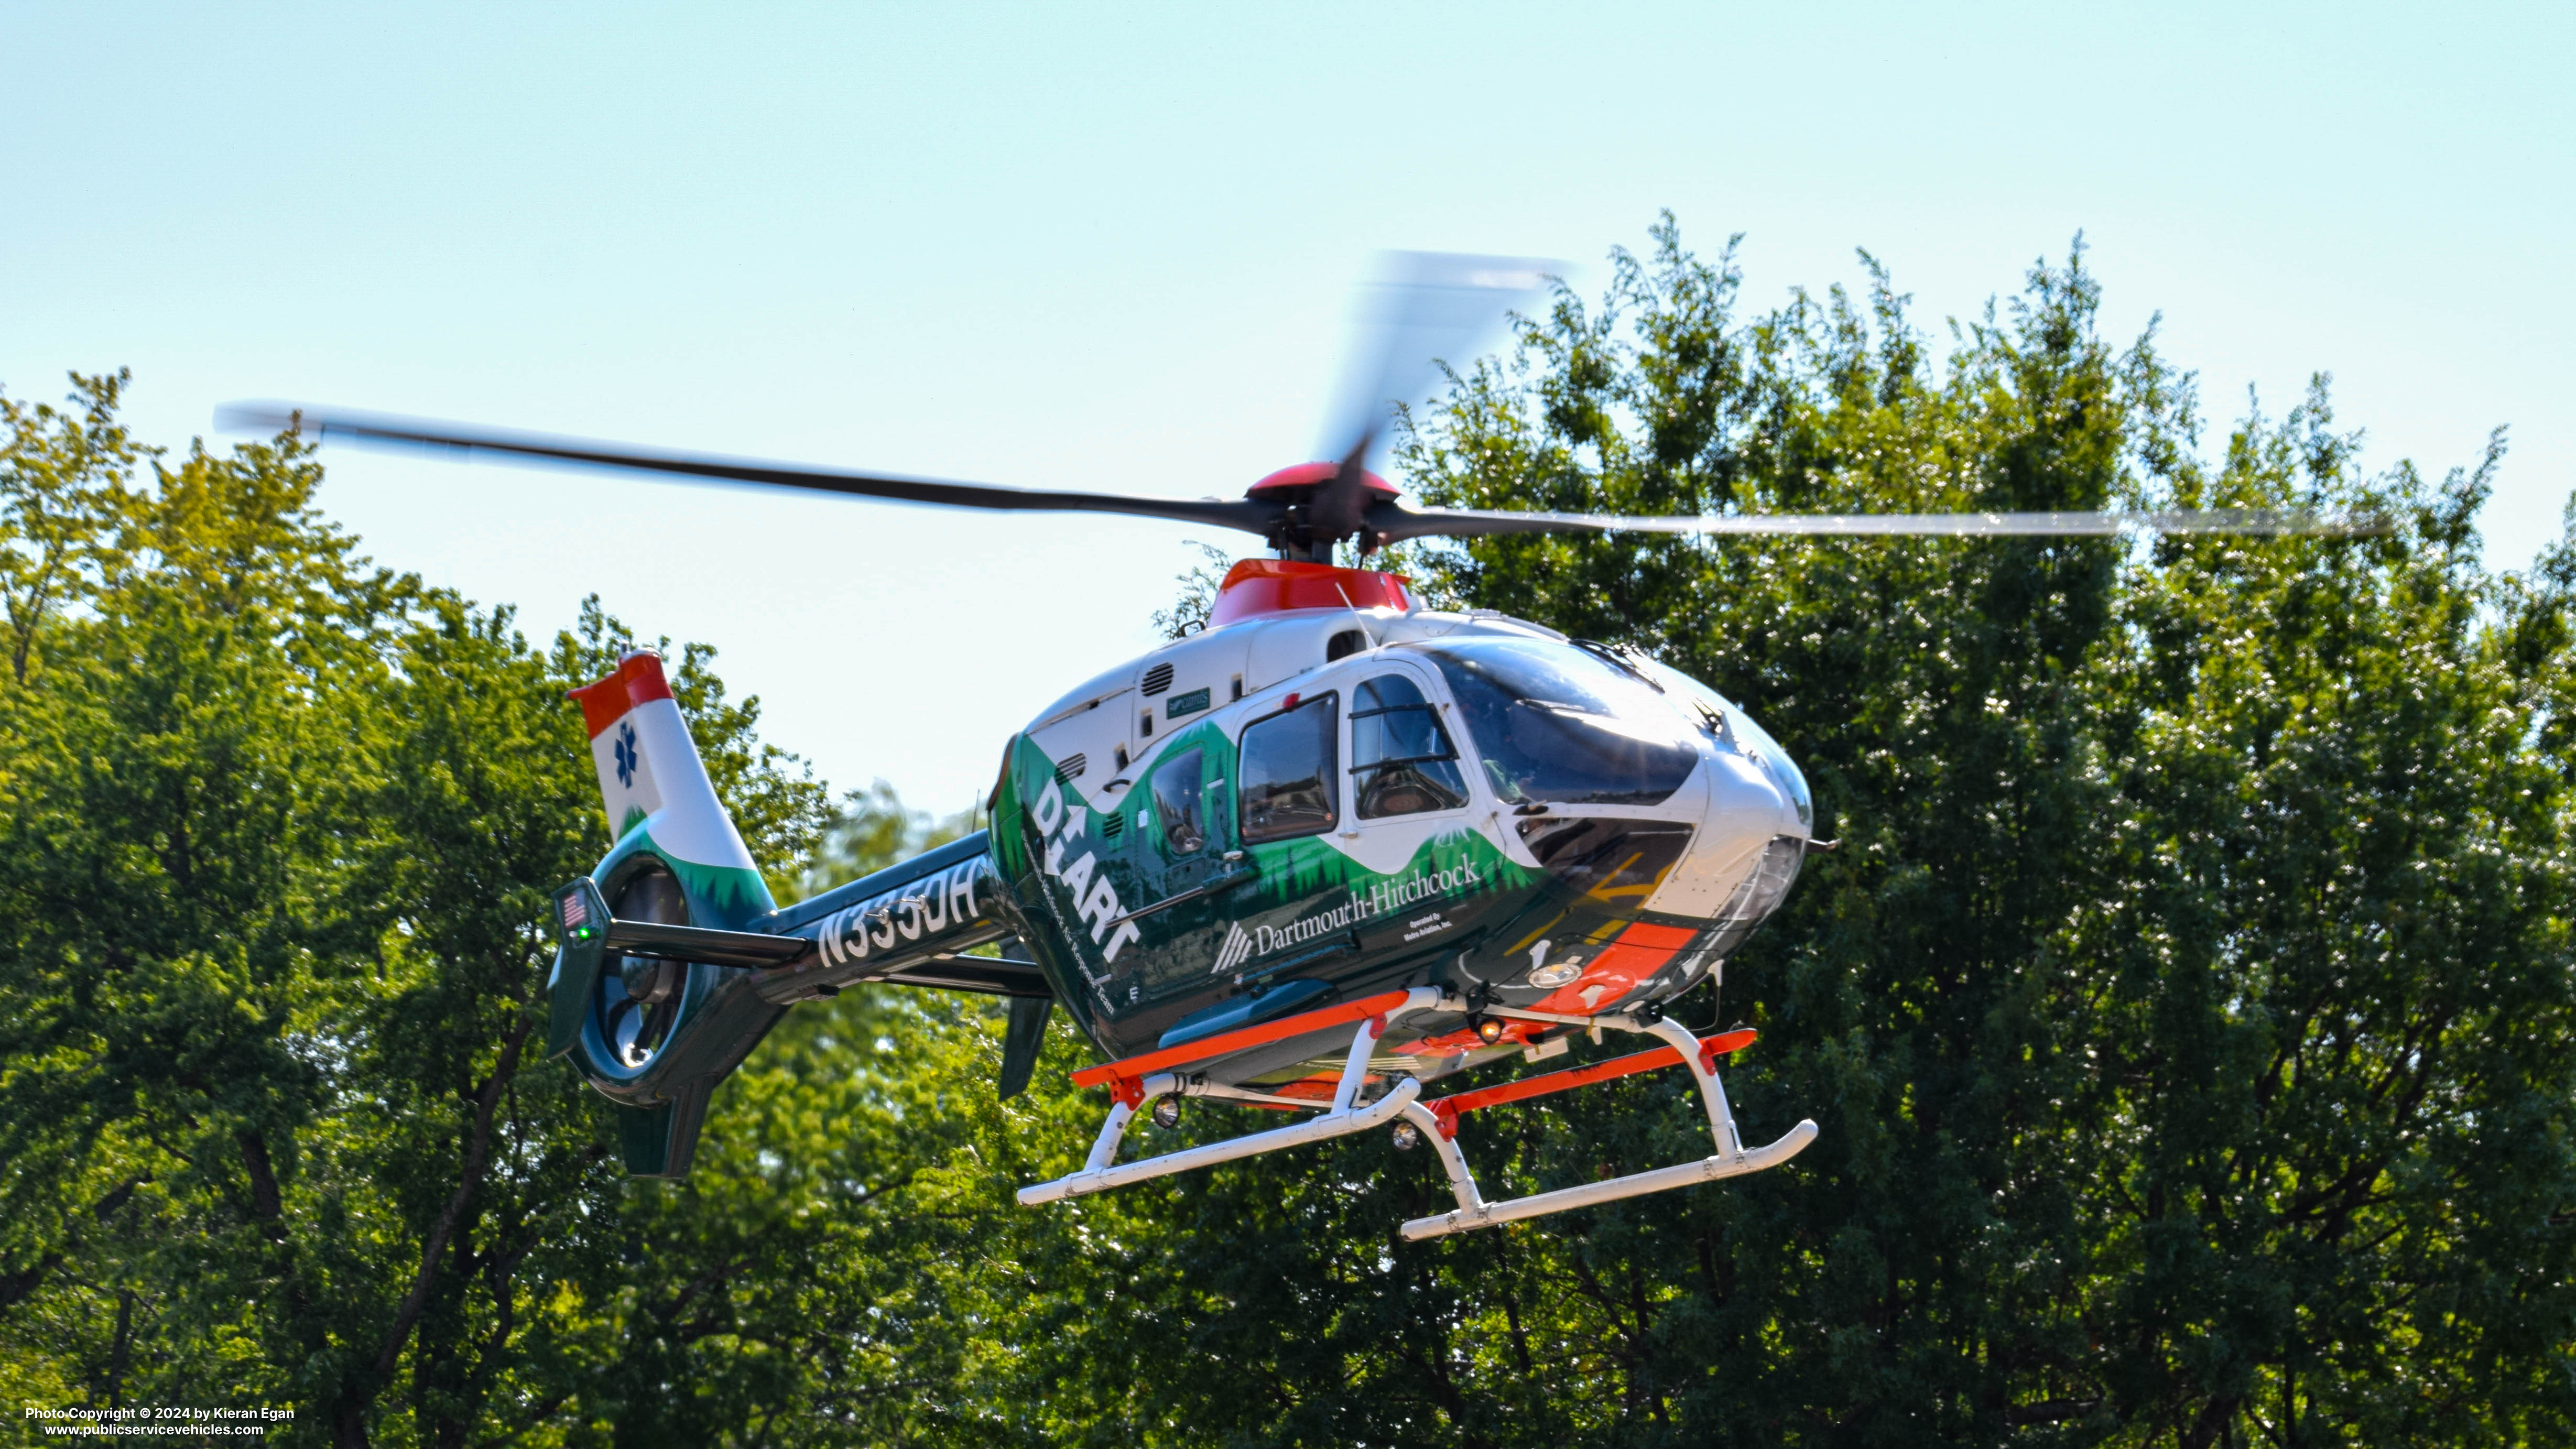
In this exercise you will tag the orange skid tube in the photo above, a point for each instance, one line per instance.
(1137, 1068)
(1448, 1108)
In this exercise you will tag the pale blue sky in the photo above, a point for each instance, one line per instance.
(1112, 247)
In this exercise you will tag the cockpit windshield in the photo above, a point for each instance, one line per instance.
(1556, 724)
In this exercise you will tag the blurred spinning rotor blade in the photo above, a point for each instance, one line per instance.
(1425, 308)
(467, 440)
(1395, 522)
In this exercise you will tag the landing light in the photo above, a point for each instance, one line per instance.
(1489, 1031)
(1167, 1112)
(1556, 975)
(1406, 1136)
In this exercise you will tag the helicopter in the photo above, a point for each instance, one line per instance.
(1331, 855)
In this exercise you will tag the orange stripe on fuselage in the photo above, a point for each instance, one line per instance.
(1138, 1067)
(1625, 964)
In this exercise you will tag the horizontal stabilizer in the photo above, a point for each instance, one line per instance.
(697, 943)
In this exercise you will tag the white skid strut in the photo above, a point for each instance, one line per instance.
(1730, 1159)
(1344, 1117)
(1138, 1080)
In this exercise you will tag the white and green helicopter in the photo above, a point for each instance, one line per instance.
(1333, 855)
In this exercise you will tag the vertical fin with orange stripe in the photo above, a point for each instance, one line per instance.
(651, 779)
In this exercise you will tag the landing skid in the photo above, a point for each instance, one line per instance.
(1439, 1122)
(1136, 1080)
(1140, 1079)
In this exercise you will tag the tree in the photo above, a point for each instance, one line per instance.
(278, 832)
(2154, 1009)
(1197, 598)
(276, 835)
(66, 504)
(873, 829)
(2189, 1008)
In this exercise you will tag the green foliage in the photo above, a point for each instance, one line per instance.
(2189, 1011)
(67, 507)
(276, 833)
(873, 829)
(1197, 599)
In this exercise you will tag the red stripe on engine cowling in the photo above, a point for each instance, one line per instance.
(638, 680)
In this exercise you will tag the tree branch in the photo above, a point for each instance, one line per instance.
(478, 1157)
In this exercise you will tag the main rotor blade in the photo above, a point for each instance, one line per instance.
(1395, 522)
(468, 440)
(1426, 308)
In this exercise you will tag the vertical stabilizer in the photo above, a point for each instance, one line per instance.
(662, 1140)
(651, 779)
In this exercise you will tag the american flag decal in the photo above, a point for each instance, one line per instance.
(574, 911)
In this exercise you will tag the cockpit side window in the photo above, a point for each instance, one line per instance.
(1178, 788)
(1287, 782)
(1401, 760)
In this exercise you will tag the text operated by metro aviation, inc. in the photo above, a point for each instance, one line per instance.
(157, 1421)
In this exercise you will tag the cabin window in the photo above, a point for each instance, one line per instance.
(1178, 788)
(1401, 760)
(1287, 782)
(1555, 723)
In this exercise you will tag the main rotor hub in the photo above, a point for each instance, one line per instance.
(1318, 508)
(1298, 483)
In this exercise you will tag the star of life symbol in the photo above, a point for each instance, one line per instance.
(628, 756)
(1236, 950)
